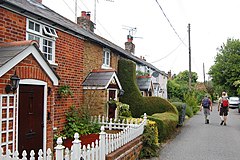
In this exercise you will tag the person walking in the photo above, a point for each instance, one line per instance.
(206, 105)
(223, 108)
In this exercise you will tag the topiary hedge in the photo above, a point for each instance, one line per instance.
(132, 95)
(166, 124)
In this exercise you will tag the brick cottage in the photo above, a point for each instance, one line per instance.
(49, 53)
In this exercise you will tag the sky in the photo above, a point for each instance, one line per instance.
(161, 34)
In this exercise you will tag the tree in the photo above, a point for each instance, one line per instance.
(184, 77)
(179, 85)
(226, 71)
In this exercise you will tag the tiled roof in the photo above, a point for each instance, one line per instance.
(98, 79)
(10, 50)
(31, 8)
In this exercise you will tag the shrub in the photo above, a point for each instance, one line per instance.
(78, 121)
(189, 111)
(166, 124)
(191, 100)
(132, 96)
(150, 140)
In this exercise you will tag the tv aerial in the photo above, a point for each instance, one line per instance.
(131, 31)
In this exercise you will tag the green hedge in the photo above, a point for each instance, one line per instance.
(150, 140)
(132, 96)
(166, 123)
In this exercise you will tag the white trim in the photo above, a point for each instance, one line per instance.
(93, 87)
(42, 83)
(7, 121)
(116, 78)
(106, 52)
(54, 34)
(30, 50)
(43, 34)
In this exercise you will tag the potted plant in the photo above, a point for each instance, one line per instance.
(78, 121)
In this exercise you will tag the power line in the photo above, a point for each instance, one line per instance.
(167, 54)
(170, 23)
(68, 6)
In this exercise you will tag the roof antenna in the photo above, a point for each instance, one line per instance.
(131, 31)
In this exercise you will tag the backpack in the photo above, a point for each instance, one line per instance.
(224, 102)
(205, 103)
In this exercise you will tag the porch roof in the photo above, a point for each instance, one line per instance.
(14, 52)
(100, 79)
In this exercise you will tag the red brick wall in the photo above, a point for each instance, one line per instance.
(129, 151)
(12, 26)
(69, 57)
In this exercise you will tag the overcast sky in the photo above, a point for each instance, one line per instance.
(212, 22)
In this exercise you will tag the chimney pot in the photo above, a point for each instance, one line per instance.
(88, 16)
(129, 38)
(39, 1)
(83, 14)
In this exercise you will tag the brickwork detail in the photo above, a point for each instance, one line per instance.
(130, 151)
(95, 100)
(12, 26)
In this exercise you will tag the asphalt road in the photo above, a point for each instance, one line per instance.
(200, 141)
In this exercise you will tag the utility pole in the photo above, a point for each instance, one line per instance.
(204, 81)
(189, 48)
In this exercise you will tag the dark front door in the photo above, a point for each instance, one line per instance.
(30, 126)
(112, 108)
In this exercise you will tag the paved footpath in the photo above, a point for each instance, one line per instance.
(199, 141)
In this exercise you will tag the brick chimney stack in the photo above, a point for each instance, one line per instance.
(85, 21)
(39, 1)
(129, 46)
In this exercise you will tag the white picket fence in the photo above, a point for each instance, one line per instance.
(106, 144)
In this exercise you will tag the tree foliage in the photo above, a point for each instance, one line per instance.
(183, 77)
(178, 86)
(226, 70)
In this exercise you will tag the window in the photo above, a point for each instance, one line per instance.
(46, 37)
(106, 58)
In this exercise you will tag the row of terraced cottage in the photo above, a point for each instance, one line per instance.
(48, 53)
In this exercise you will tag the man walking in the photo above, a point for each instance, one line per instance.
(223, 107)
(206, 105)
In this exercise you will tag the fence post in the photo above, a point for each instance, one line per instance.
(102, 137)
(59, 149)
(76, 147)
(145, 119)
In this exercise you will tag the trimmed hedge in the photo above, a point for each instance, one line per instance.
(166, 123)
(132, 95)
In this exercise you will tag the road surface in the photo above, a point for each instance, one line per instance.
(200, 141)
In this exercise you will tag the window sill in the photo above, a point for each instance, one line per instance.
(106, 67)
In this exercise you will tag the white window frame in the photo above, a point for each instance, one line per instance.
(106, 58)
(43, 34)
(9, 144)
